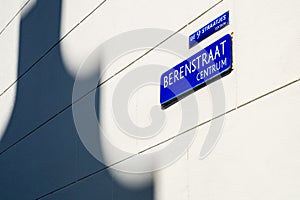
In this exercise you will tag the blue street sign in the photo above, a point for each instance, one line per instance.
(191, 74)
(206, 31)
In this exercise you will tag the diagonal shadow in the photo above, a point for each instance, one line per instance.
(52, 158)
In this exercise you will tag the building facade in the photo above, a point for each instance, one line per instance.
(81, 116)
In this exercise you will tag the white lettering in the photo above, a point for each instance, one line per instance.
(165, 81)
(223, 47)
(170, 78)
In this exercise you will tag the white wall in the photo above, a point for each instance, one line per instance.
(257, 154)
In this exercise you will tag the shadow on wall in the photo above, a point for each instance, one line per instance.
(51, 157)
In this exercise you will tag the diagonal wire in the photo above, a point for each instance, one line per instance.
(12, 19)
(52, 47)
(102, 83)
(171, 138)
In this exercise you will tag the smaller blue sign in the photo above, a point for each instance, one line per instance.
(194, 72)
(206, 31)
